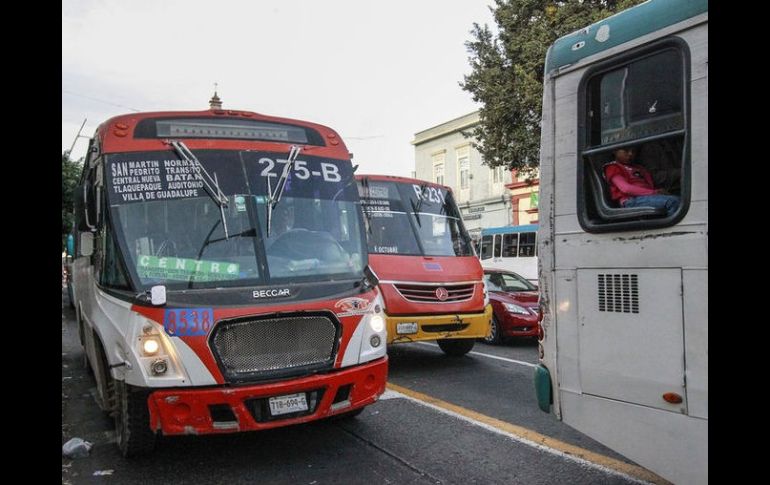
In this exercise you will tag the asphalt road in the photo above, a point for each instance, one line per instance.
(467, 433)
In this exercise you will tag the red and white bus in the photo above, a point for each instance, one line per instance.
(431, 281)
(220, 279)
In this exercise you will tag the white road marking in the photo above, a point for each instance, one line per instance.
(489, 356)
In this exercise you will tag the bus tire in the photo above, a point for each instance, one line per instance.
(132, 422)
(495, 335)
(456, 347)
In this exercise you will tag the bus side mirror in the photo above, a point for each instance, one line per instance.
(85, 216)
(80, 207)
(86, 243)
(371, 276)
(158, 295)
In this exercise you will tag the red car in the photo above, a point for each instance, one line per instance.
(515, 304)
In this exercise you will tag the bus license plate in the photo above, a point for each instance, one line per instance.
(406, 327)
(290, 403)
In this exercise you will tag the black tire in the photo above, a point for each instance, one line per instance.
(456, 347)
(495, 336)
(132, 422)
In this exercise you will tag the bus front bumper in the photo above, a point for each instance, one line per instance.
(416, 328)
(249, 408)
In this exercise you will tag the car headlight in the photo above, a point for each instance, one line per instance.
(514, 308)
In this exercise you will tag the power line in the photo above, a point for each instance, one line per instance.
(99, 100)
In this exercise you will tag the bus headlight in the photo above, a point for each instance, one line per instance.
(374, 333)
(159, 367)
(150, 346)
(377, 323)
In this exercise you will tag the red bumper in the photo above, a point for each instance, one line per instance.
(232, 409)
(519, 326)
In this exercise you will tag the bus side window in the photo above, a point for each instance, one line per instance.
(486, 247)
(498, 245)
(527, 244)
(510, 245)
(637, 101)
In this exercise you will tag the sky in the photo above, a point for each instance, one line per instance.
(377, 72)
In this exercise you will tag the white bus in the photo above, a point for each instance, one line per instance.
(624, 355)
(513, 248)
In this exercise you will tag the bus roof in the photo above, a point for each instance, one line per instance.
(116, 134)
(509, 229)
(402, 180)
(622, 27)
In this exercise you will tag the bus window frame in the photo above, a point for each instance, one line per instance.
(585, 150)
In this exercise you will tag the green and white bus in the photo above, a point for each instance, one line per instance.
(624, 350)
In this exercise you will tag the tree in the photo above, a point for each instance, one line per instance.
(507, 73)
(70, 174)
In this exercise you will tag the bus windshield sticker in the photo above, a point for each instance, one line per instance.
(240, 203)
(187, 322)
(143, 180)
(184, 269)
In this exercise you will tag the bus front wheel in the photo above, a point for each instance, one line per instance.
(456, 347)
(132, 422)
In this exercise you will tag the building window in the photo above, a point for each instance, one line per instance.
(637, 102)
(497, 174)
(534, 198)
(438, 168)
(465, 170)
(438, 173)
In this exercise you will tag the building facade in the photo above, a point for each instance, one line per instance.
(486, 197)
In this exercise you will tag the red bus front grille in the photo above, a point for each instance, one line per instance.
(429, 293)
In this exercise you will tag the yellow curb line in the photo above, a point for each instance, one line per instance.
(525, 433)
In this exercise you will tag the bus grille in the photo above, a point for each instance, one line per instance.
(253, 349)
(430, 293)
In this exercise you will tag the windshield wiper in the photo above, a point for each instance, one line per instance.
(419, 204)
(209, 183)
(365, 210)
(274, 195)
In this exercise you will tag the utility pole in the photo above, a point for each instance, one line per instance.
(69, 154)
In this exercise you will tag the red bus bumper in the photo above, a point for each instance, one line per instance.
(233, 409)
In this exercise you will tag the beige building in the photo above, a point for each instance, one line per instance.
(486, 197)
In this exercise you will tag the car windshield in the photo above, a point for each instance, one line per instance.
(172, 232)
(412, 219)
(510, 282)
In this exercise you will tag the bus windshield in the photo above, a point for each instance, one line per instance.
(172, 232)
(412, 219)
